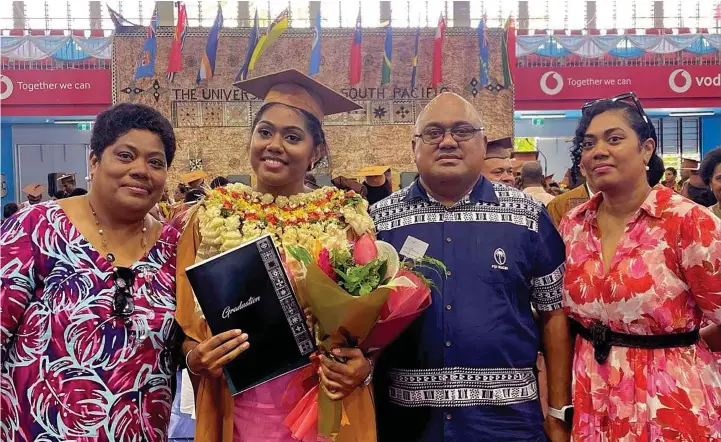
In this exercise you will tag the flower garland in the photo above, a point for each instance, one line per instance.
(235, 214)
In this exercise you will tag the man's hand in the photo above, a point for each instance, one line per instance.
(557, 430)
(339, 380)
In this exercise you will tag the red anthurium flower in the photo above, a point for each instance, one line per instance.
(325, 264)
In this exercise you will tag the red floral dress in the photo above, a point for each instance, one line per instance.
(664, 278)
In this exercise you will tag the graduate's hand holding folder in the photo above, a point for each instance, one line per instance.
(246, 288)
(357, 293)
(209, 357)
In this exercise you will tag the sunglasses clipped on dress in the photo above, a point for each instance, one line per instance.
(123, 304)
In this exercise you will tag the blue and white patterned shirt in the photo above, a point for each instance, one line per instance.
(465, 370)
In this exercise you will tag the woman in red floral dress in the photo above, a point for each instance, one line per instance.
(643, 271)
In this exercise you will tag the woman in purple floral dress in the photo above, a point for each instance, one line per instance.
(87, 295)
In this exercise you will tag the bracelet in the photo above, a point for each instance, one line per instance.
(187, 365)
(368, 378)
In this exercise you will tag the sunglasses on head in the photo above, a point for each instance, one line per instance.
(628, 96)
(123, 305)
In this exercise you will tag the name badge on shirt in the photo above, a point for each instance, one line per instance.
(414, 248)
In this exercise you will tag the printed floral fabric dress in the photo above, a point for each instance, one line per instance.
(664, 278)
(71, 371)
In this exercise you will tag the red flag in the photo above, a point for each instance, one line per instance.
(356, 60)
(438, 52)
(175, 62)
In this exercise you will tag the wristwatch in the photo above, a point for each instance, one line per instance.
(565, 414)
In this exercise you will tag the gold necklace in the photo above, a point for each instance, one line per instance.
(104, 242)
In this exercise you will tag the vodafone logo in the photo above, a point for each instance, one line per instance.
(687, 81)
(557, 79)
(6, 87)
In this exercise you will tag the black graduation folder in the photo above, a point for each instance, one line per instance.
(247, 288)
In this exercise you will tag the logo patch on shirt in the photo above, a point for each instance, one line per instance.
(499, 255)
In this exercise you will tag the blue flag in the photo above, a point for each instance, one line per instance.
(483, 51)
(207, 64)
(414, 60)
(252, 43)
(146, 62)
(315, 51)
(387, 56)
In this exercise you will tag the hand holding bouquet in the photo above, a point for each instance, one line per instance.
(357, 293)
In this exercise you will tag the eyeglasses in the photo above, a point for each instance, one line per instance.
(435, 135)
(123, 305)
(627, 96)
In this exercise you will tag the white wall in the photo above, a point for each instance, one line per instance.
(553, 140)
(39, 150)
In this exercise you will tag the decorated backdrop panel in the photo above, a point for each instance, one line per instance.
(212, 121)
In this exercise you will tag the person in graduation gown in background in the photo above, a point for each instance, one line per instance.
(287, 140)
(497, 165)
(34, 194)
(377, 182)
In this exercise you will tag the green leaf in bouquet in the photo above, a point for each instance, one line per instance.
(361, 280)
(426, 262)
(341, 258)
(383, 272)
(300, 254)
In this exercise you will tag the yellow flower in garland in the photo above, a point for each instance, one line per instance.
(235, 214)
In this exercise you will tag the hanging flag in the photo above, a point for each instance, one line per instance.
(118, 20)
(207, 64)
(483, 51)
(438, 52)
(252, 43)
(315, 50)
(275, 30)
(175, 62)
(146, 62)
(414, 60)
(387, 56)
(356, 61)
(508, 52)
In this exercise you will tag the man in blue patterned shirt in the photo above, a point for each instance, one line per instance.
(465, 370)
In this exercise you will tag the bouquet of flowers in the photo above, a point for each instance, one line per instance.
(361, 295)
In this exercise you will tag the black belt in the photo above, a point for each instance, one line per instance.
(602, 339)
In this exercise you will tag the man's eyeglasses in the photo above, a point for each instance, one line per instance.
(435, 135)
(123, 304)
(628, 96)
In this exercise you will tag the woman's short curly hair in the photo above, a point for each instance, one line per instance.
(634, 119)
(122, 118)
(708, 165)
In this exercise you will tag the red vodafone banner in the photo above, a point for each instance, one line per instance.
(560, 88)
(54, 92)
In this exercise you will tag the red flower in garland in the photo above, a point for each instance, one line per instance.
(271, 218)
(227, 205)
(222, 190)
